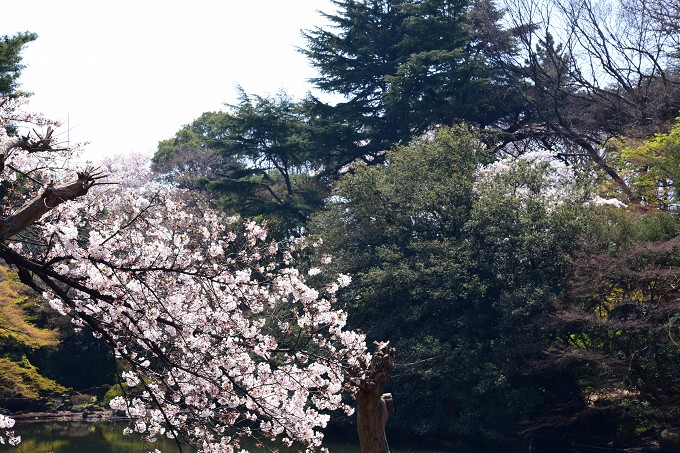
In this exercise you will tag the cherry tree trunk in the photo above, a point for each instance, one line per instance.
(374, 407)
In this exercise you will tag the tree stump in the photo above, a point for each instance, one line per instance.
(374, 407)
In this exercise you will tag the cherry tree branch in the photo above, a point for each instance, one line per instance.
(49, 199)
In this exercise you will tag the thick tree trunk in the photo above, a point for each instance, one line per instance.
(374, 407)
(372, 414)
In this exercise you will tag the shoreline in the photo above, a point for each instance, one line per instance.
(103, 415)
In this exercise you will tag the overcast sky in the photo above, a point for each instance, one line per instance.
(125, 74)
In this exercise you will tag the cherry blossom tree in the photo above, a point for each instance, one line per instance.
(220, 336)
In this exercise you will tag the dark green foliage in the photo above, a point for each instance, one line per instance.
(460, 274)
(10, 60)
(403, 66)
(257, 160)
(81, 361)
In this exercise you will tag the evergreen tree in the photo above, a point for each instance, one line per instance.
(10, 60)
(402, 66)
(256, 159)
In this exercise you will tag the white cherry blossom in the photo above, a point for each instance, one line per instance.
(221, 337)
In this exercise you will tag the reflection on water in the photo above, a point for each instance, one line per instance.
(74, 437)
(77, 437)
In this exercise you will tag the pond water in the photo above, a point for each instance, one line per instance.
(77, 437)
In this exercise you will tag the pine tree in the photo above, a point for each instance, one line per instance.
(403, 66)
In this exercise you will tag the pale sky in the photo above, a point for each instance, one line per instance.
(125, 74)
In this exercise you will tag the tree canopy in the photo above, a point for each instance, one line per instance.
(262, 160)
(587, 72)
(457, 259)
(402, 67)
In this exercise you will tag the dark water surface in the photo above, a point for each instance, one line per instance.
(78, 437)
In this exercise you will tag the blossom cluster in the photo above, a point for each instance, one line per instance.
(534, 177)
(222, 338)
(537, 177)
(9, 436)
